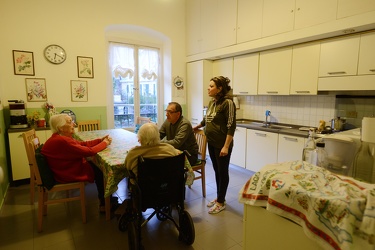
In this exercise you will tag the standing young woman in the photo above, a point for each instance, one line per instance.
(220, 124)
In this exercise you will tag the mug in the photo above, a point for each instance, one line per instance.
(41, 122)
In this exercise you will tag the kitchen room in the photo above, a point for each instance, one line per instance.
(87, 36)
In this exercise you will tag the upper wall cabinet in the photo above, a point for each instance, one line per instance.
(339, 57)
(285, 15)
(223, 67)
(249, 20)
(347, 8)
(366, 63)
(245, 74)
(201, 22)
(226, 22)
(278, 16)
(275, 71)
(305, 69)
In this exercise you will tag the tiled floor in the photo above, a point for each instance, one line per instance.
(63, 228)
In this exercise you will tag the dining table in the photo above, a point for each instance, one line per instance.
(111, 160)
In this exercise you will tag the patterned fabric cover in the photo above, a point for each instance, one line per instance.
(336, 211)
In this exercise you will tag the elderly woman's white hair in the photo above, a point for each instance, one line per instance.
(56, 122)
(148, 134)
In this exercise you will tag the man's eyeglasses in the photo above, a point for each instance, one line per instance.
(170, 111)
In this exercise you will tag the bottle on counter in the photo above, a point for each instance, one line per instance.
(319, 155)
(309, 146)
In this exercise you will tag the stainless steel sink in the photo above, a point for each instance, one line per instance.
(277, 126)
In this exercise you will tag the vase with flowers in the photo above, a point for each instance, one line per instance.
(51, 110)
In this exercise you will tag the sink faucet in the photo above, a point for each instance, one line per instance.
(268, 113)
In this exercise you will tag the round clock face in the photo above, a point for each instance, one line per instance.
(178, 82)
(55, 54)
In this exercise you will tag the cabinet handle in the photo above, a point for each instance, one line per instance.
(272, 92)
(261, 134)
(372, 70)
(337, 73)
(194, 119)
(243, 92)
(302, 91)
(290, 139)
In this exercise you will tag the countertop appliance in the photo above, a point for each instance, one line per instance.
(341, 149)
(17, 111)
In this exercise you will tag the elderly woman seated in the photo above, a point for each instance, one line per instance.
(151, 147)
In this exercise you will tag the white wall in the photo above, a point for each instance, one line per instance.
(80, 27)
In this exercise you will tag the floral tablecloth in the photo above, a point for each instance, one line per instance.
(336, 211)
(111, 160)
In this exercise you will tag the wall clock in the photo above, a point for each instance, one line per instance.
(55, 54)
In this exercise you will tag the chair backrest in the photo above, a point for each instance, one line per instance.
(202, 143)
(161, 181)
(43, 174)
(30, 136)
(140, 121)
(89, 125)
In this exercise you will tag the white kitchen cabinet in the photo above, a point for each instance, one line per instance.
(305, 69)
(281, 16)
(18, 156)
(339, 56)
(309, 13)
(238, 156)
(226, 19)
(199, 74)
(278, 16)
(193, 26)
(275, 71)
(366, 63)
(223, 67)
(347, 8)
(249, 20)
(261, 149)
(245, 74)
(201, 26)
(290, 148)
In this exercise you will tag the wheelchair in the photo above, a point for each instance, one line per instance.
(160, 185)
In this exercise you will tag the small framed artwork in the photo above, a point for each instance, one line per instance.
(36, 90)
(79, 90)
(85, 66)
(23, 63)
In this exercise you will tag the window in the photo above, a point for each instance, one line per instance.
(135, 71)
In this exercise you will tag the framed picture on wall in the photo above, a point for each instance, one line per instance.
(36, 90)
(23, 63)
(85, 66)
(79, 90)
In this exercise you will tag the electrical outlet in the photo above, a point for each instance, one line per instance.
(351, 114)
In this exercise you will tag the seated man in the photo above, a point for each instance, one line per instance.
(178, 132)
(151, 147)
(66, 156)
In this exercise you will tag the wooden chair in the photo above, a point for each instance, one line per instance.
(89, 125)
(140, 121)
(28, 137)
(200, 168)
(43, 175)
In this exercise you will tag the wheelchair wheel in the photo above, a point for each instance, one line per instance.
(167, 210)
(187, 230)
(133, 237)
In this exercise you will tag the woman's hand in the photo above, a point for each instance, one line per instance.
(107, 139)
(224, 151)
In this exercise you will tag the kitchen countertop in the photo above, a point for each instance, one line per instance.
(15, 130)
(290, 129)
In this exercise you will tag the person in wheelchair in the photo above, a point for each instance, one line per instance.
(152, 147)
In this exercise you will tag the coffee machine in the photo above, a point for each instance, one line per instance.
(18, 117)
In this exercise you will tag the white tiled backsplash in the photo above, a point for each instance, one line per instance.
(306, 110)
(299, 110)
